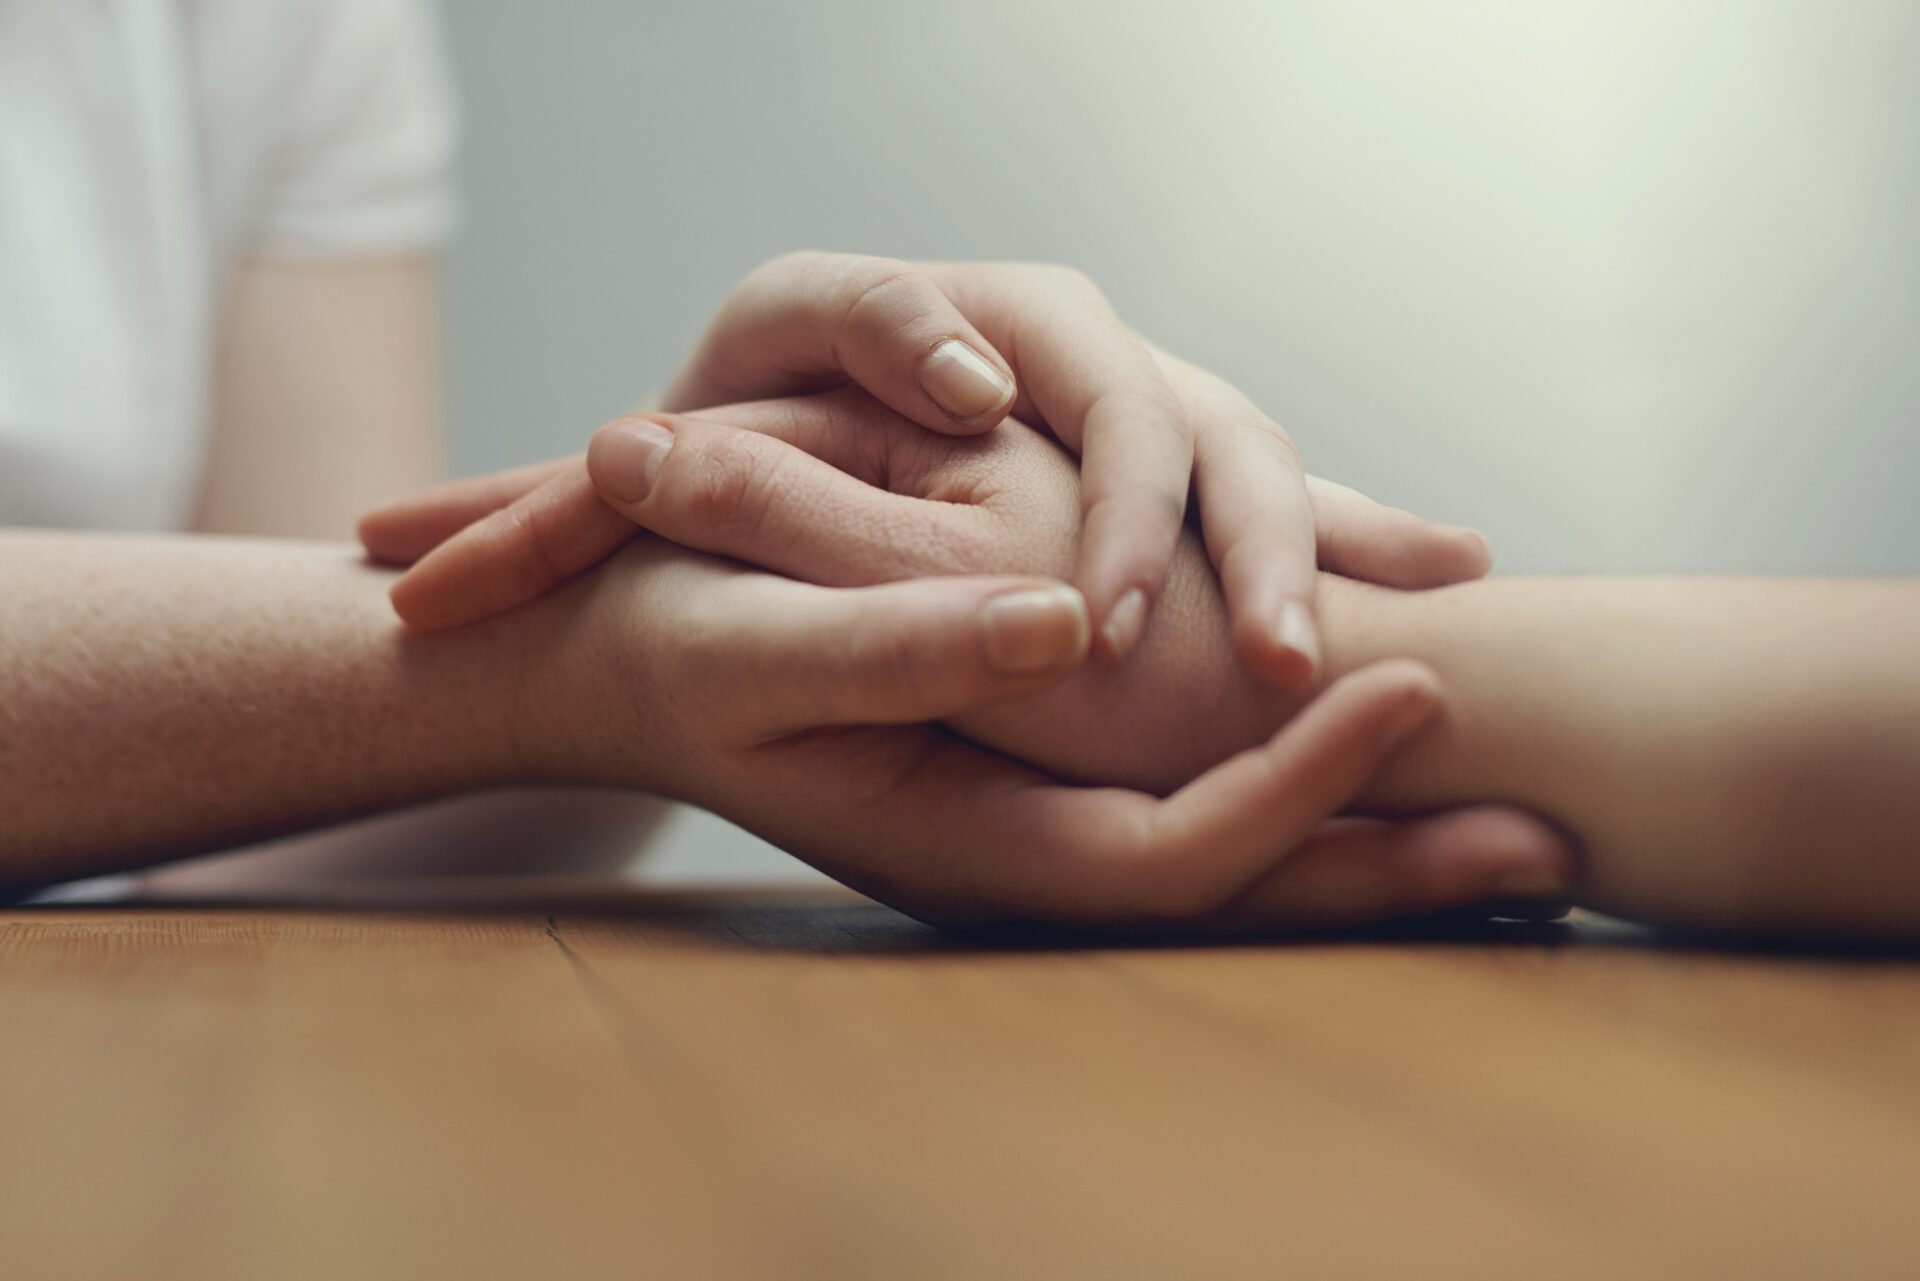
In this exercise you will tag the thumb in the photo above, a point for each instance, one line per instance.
(906, 652)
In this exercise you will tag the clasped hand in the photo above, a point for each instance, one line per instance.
(915, 610)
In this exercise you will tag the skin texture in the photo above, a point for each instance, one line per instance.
(167, 696)
(1732, 755)
(1141, 421)
(837, 490)
(163, 696)
(327, 401)
(804, 320)
(273, 689)
(1717, 773)
(1735, 754)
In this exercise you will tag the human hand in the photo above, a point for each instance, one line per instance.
(927, 341)
(792, 709)
(808, 486)
(835, 489)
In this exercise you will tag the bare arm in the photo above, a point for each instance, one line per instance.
(163, 696)
(1733, 754)
(327, 398)
(1740, 754)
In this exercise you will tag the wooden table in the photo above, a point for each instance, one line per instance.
(546, 1083)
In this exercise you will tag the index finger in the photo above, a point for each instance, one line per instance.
(812, 320)
(513, 554)
(404, 531)
(1258, 521)
(1101, 392)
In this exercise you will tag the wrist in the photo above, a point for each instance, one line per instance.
(458, 693)
(577, 682)
(1465, 754)
(531, 669)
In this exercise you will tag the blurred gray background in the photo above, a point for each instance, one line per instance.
(1628, 286)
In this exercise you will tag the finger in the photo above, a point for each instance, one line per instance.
(754, 497)
(1258, 523)
(514, 555)
(1211, 839)
(899, 653)
(401, 533)
(1363, 539)
(1359, 872)
(1011, 819)
(847, 429)
(1089, 377)
(809, 320)
(1136, 464)
(994, 840)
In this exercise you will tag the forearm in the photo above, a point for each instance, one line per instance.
(1739, 754)
(164, 696)
(327, 399)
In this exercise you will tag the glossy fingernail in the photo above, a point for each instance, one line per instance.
(1033, 630)
(1121, 631)
(1294, 630)
(626, 457)
(963, 382)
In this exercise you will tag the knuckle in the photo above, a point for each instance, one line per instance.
(1152, 404)
(1245, 444)
(887, 659)
(728, 488)
(794, 263)
(1070, 280)
(880, 292)
(528, 533)
(1274, 438)
(1218, 400)
(1148, 513)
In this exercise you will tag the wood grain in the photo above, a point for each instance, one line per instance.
(546, 1081)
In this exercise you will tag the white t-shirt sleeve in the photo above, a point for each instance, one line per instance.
(362, 162)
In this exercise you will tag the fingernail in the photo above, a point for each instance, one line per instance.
(1486, 545)
(1295, 631)
(1033, 630)
(626, 457)
(1122, 628)
(963, 382)
(1413, 715)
